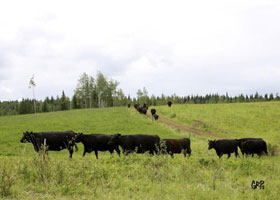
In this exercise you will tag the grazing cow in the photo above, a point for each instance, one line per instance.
(139, 143)
(172, 146)
(226, 146)
(169, 103)
(155, 116)
(136, 106)
(145, 106)
(54, 141)
(97, 142)
(153, 111)
(142, 110)
(252, 146)
(128, 105)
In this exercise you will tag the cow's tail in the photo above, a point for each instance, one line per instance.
(265, 148)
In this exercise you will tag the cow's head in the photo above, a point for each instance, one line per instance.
(26, 137)
(79, 137)
(211, 144)
(238, 141)
(115, 139)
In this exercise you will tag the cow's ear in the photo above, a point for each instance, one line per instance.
(118, 134)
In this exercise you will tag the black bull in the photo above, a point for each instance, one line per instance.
(54, 141)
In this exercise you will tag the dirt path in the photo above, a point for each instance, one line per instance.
(185, 128)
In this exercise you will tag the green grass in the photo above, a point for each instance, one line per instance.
(229, 120)
(27, 175)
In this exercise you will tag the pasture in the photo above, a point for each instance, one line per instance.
(28, 175)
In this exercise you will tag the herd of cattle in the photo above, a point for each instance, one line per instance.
(56, 141)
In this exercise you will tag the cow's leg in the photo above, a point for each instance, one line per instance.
(172, 155)
(228, 155)
(71, 152)
(220, 155)
(151, 152)
(236, 153)
(118, 151)
(84, 153)
(189, 152)
(96, 154)
(185, 152)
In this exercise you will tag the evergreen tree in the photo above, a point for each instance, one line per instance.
(63, 102)
(74, 102)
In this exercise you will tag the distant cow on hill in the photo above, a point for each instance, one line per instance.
(54, 141)
(169, 103)
(252, 146)
(128, 105)
(172, 146)
(153, 111)
(145, 106)
(142, 110)
(96, 142)
(155, 116)
(136, 143)
(225, 146)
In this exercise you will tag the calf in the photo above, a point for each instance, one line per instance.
(172, 146)
(54, 141)
(155, 116)
(96, 142)
(226, 146)
(136, 143)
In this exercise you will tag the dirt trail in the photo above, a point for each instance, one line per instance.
(185, 128)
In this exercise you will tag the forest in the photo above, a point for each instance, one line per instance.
(101, 92)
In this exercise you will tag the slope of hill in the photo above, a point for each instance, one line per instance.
(28, 175)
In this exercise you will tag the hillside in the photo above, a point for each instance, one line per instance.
(27, 175)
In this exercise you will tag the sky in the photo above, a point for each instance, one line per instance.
(182, 47)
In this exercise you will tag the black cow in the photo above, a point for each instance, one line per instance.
(225, 146)
(172, 146)
(252, 146)
(155, 116)
(136, 106)
(153, 111)
(54, 141)
(139, 143)
(128, 105)
(169, 103)
(142, 110)
(97, 142)
(145, 106)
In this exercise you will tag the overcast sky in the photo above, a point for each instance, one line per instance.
(182, 47)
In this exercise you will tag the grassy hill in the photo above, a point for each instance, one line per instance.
(27, 175)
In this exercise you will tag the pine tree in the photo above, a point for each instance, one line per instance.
(63, 102)
(74, 102)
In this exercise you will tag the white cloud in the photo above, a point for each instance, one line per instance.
(169, 47)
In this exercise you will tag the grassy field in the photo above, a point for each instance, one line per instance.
(27, 175)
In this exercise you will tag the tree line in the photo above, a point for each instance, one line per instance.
(100, 92)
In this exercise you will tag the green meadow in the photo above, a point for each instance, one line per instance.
(28, 175)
